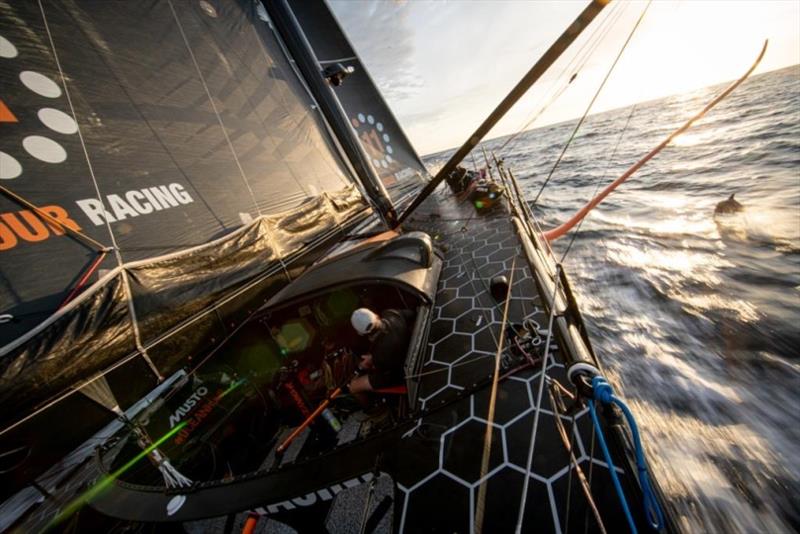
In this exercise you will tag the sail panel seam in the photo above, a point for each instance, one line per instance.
(214, 107)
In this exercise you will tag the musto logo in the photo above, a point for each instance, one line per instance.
(28, 226)
(199, 407)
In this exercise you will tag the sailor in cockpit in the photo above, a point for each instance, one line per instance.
(388, 335)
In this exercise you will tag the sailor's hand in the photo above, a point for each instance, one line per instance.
(366, 362)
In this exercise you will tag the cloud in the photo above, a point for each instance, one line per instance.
(388, 55)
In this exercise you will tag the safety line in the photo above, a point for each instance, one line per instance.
(532, 445)
(487, 439)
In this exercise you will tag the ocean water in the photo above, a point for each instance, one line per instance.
(696, 318)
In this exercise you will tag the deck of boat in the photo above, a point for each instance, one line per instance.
(439, 488)
(442, 482)
(437, 482)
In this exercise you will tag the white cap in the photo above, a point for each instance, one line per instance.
(364, 320)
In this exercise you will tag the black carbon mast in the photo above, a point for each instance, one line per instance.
(550, 56)
(307, 63)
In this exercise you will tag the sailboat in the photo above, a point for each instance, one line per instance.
(195, 198)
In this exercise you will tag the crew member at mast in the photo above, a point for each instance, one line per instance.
(389, 335)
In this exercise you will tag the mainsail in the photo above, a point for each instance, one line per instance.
(178, 137)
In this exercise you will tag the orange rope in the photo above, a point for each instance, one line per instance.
(559, 231)
(250, 524)
(310, 419)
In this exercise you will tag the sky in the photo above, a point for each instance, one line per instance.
(444, 65)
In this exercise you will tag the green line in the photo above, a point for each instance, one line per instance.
(100, 486)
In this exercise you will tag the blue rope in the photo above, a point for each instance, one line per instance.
(604, 394)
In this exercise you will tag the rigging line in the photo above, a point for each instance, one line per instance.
(534, 430)
(594, 98)
(600, 180)
(213, 106)
(570, 446)
(118, 255)
(451, 366)
(591, 471)
(536, 71)
(200, 315)
(579, 61)
(73, 390)
(80, 133)
(501, 171)
(565, 227)
(82, 282)
(554, 94)
(487, 439)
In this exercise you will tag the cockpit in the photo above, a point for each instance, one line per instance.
(272, 395)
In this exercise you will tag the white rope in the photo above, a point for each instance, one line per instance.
(172, 476)
(532, 445)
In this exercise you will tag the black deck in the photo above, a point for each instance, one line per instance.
(438, 474)
(438, 488)
(437, 482)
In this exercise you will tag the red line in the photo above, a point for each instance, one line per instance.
(89, 272)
